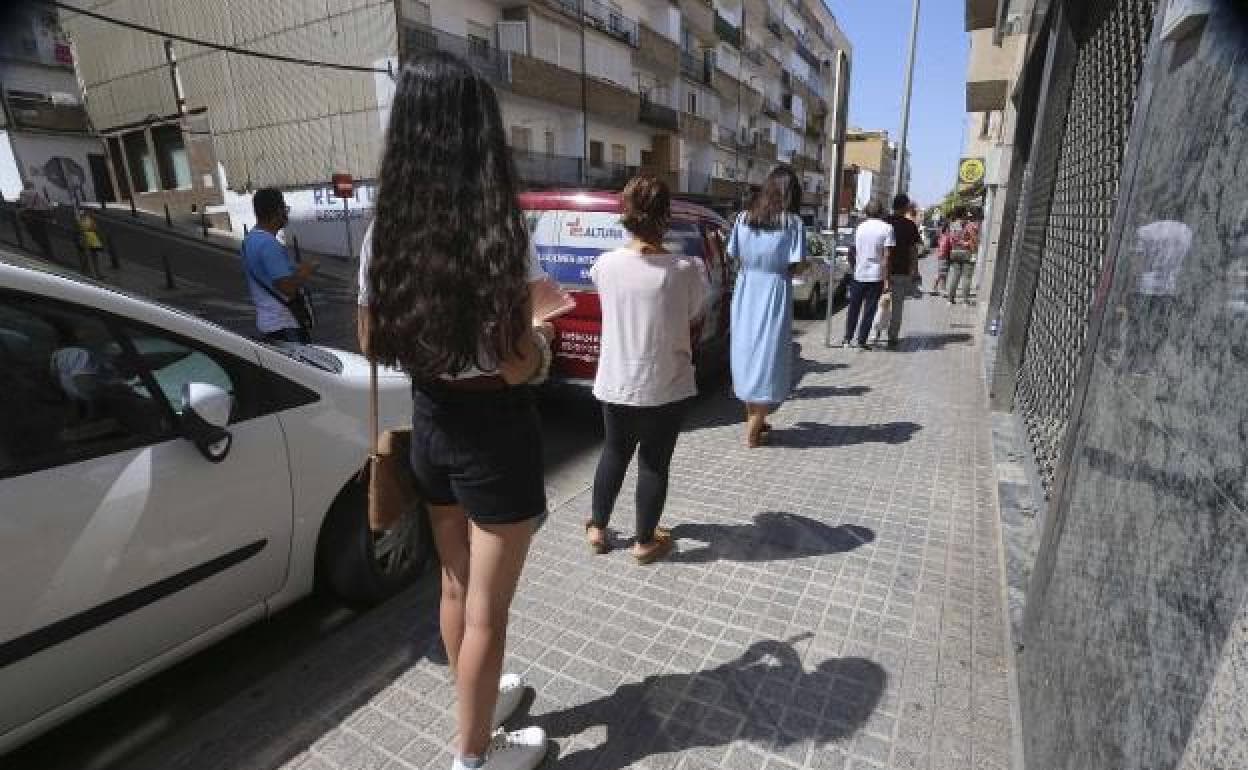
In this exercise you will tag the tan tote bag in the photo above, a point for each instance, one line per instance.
(392, 488)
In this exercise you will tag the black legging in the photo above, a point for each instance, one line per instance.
(655, 429)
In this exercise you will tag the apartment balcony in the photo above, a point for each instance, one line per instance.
(727, 31)
(610, 176)
(725, 187)
(541, 80)
(600, 16)
(39, 112)
(696, 67)
(695, 128)
(659, 115)
(612, 102)
(990, 70)
(753, 53)
(981, 14)
(766, 150)
(808, 55)
(699, 16)
(770, 108)
(656, 50)
(725, 137)
(492, 64)
(814, 126)
(804, 163)
(538, 170)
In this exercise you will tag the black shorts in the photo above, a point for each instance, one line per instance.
(482, 451)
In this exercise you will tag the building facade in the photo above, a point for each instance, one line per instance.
(45, 135)
(873, 156)
(709, 95)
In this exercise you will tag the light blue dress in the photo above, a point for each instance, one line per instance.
(762, 309)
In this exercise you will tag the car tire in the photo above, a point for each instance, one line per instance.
(360, 569)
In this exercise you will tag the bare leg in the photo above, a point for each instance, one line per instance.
(757, 415)
(450, 536)
(496, 559)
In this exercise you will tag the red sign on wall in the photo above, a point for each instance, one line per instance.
(344, 185)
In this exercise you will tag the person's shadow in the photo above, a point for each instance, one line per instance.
(829, 391)
(914, 342)
(810, 435)
(772, 537)
(739, 700)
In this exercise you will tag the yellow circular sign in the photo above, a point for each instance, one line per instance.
(971, 170)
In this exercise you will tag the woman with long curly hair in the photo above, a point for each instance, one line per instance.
(770, 242)
(446, 275)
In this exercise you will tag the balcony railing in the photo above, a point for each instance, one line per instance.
(600, 16)
(695, 67)
(659, 115)
(727, 31)
(611, 176)
(770, 108)
(545, 170)
(753, 53)
(726, 136)
(489, 62)
(807, 55)
(42, 113)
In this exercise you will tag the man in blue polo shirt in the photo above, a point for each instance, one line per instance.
(273, 279)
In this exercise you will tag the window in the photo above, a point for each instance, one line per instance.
(595, 154)
(619, 154)
(71, 390)
(693, 103)
(986, 125)
(142, 164)
(174, 364)
(171, 157)
(521, 138)
(480, 35)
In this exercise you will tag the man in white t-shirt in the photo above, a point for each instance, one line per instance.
(873, 249)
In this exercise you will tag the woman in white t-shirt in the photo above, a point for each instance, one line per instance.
(645, 378)
(446, 296)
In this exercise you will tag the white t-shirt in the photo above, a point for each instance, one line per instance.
(648, 302)
(870, 240)
(536, 273)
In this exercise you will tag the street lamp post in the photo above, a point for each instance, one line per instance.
(899, 168)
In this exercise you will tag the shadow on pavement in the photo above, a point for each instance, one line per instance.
(811, 435)
(911, 343)
(772, 537)
(829, 391)
(739, 700)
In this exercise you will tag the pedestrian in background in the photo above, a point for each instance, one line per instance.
(769, 242)
(903, 263)
(92, 246)
(276, 283)
(873, 253)
(916, 282)
(963, 239)
(35, 211)
(446, 295)
(645, 378)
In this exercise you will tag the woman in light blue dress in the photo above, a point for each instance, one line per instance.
(768, 241)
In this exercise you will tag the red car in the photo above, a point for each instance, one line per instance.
(571, 228)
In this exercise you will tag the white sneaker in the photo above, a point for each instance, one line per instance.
(510, 693)
(520, 750)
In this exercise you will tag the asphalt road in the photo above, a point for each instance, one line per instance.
(163, 711)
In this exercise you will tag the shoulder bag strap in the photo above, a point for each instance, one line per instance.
(372, 406)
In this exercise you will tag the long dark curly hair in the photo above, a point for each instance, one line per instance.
(450, 245)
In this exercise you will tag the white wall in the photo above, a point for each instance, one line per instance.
(451, 15)
(539, 118)
(45, 80)
(633, 140)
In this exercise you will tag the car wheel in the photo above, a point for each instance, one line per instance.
(360, 568)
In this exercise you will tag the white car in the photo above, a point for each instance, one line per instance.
(820, 278)
(163, 483)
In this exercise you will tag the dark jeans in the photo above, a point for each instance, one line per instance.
(654, 429)
(864, 300)
(299, 335)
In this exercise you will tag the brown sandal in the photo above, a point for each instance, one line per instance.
(662, 546)
(597, 546)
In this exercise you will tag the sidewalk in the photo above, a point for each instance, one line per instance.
(837, 602)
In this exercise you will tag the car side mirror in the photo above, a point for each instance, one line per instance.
(205, 415)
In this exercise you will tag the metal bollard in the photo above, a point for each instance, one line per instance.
(294, 244)
(203, 219)
(164, 261)
(134, 211)
(17, 228)
(168, 217)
